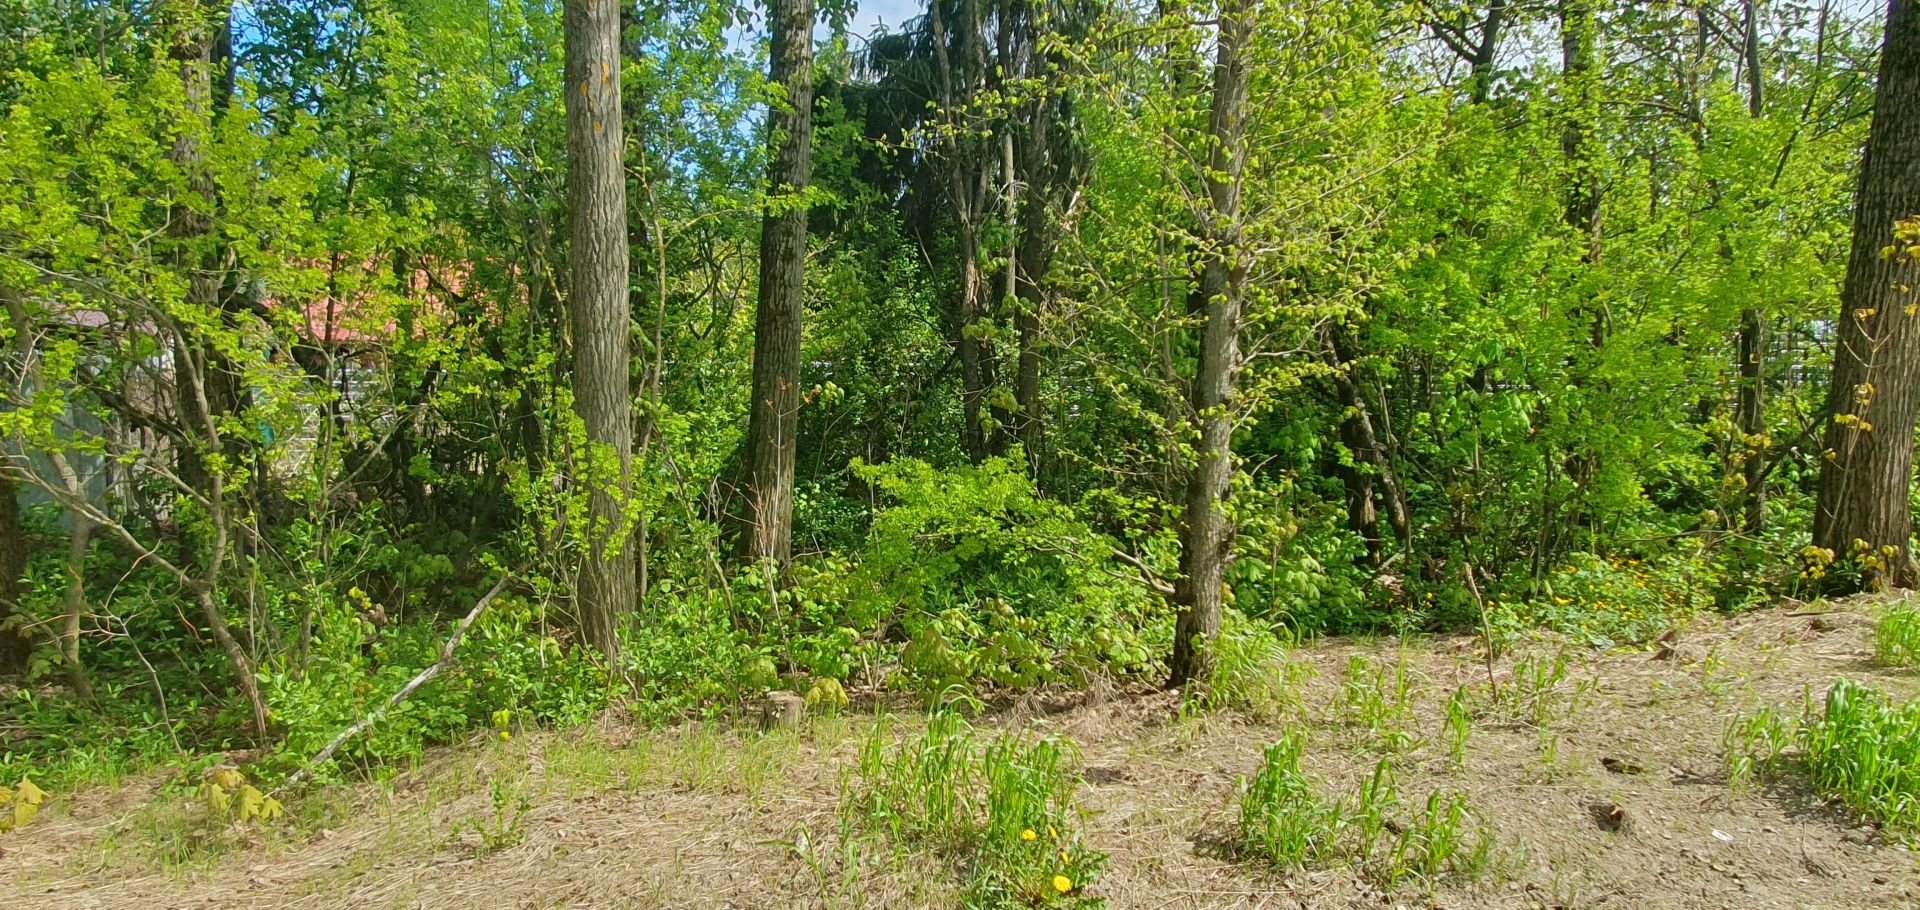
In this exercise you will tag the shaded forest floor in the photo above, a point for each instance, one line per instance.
(1615, 798)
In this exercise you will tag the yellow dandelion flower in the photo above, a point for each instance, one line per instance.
(1064, 857)
(1062, 884)
(1052, 833)
(1028, 835)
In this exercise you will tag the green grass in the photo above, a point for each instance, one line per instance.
(1459, 727)
(1282, 818)
(1380, 700)
(1001, 811)
(1289, 823)
(1896, 638)
(1859, 747)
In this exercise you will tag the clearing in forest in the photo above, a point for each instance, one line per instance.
(1590, 780)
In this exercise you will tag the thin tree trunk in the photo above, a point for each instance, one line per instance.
(14, 643)
(1032, 261)
(965, 175)
(1579, 66)
(774, 413)
(1753, 419)
(597, 304)
(78, 540)
(1206, 533)
(1487, 52)
(1753, 342)
(1358, 434)
(1867, 476)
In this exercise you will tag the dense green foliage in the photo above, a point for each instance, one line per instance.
(285, 387)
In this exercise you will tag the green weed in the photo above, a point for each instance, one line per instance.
(1282, 818)
(1002, 811)
(1286, 821)
(1459, 726)
(1253, 672)
(1380, 700)
(1896, 638)
(504, 824)
(1859, 747)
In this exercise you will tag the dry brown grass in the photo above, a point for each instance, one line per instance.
(727, 817)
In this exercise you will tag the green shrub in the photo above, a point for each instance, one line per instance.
(1607, 602)
(987, 581)
(1296, 562)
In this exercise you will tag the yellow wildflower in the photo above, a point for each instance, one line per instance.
(1062, 884)
(1028, 834)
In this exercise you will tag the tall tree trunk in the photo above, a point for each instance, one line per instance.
(774, 412)
(1032, 261)
(1752, 409)
(597, 304)
(207, 388)
(14, 643)
(1579, 69)
(1206, 533)
(1868, 472)
(967, 178)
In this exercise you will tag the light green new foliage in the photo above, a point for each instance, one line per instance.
(1896, 638)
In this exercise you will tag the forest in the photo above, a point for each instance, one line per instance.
(390, 385)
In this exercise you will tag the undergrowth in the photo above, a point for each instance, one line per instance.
(1000, 810)
(1896, 638)
(1858, 747)
(1288, 822)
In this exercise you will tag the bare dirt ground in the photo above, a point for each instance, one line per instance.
(1618, 801)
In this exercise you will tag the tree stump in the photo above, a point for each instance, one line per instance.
(782, 710)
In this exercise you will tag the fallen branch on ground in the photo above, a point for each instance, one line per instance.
(446, 657)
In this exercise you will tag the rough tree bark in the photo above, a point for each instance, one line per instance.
(597, 305)
(1206, 533)
(1867, 474)
(967, 172)
(774, 410)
